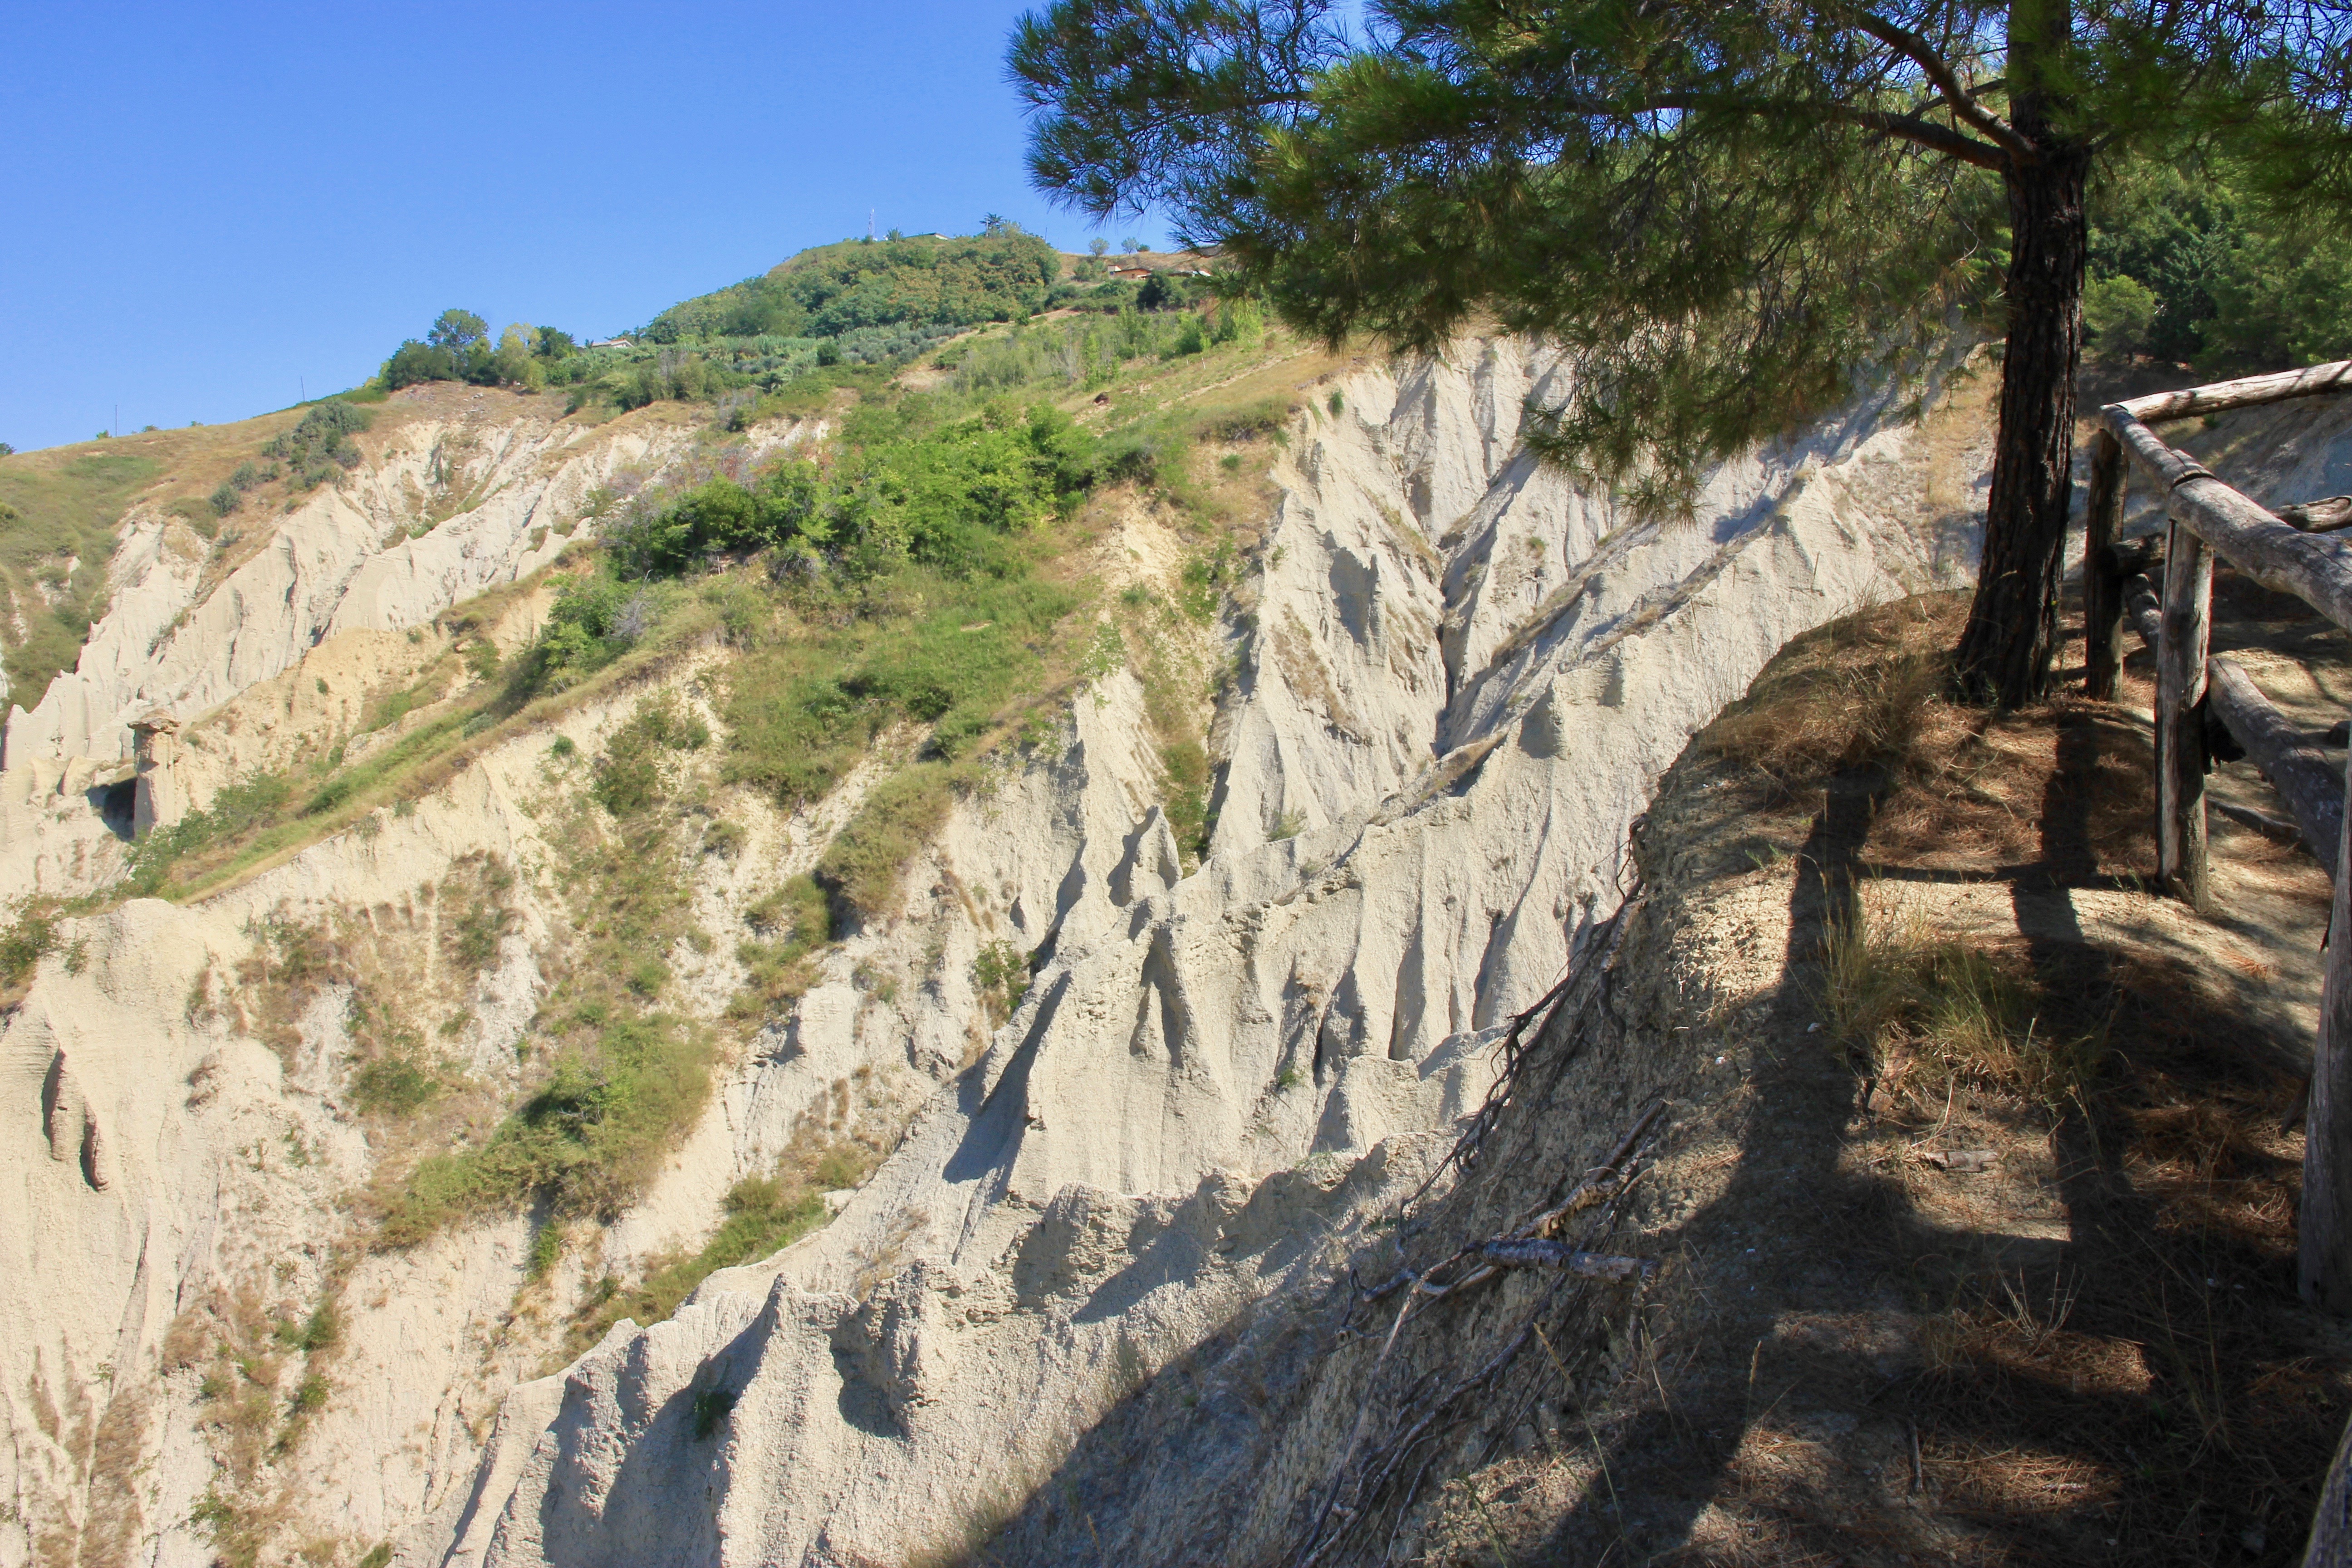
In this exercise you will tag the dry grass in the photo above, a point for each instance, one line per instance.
(1927, 1014)
(2078, 1344)
(2065, 782)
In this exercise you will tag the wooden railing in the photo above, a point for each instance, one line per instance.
(2195, 693)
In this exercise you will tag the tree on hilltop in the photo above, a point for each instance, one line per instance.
(457, 330)
(1721, 210)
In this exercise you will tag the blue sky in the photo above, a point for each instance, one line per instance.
(214, 209)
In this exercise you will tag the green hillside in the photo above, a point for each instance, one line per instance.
(860, 302)
(931, 283)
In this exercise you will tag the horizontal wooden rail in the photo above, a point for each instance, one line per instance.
(2310, 782)
(2316, 568)
(2246, 393)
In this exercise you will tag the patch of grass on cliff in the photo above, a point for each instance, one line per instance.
(57, 512)
(271, 818)
(586, 1140)
(620, 1076)
(829, 1151)
(765, 1214)
(792, 923)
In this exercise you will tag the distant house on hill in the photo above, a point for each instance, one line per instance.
(611, 343)
(1131, 274)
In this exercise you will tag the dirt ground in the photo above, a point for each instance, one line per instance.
(1975, 1218)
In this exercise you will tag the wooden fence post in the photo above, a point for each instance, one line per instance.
(2324, 1242)
(2330, 1545)
(2102, 602)
(2181, 863)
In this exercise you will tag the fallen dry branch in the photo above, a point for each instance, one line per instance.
(1379, 1480)
(1538, 1253)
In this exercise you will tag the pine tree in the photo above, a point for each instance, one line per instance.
(1725, 210)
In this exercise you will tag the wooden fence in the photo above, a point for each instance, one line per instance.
(2204, 703)
(2197, 694)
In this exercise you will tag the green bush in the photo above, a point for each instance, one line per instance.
(258, 801)
(667, 534)
(22, 945)
(1000, 972)
(394, 1087)
(711, 1407)
(628, 776)
(861, 866)
(1186, 763)
(591, 623)
(585, 1141)
(319, 445)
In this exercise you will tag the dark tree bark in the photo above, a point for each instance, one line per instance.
(2013, 631)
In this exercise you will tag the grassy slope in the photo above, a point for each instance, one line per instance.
(65, 503)
(1008, 653)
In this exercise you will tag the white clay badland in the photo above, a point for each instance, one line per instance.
(1461, 675)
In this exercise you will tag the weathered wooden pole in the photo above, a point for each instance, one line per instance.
(2307, 780)
(2181, 863)
(2330, 1545)
(2325, 1240)
(2103, 604)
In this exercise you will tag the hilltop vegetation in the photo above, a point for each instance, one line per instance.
(860, 302)
(934, 283)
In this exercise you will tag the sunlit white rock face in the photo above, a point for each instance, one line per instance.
(1455, 678)
(1460, 677)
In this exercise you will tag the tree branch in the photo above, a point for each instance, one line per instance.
(1957, 96)
(1926, 133)
(1910, 128)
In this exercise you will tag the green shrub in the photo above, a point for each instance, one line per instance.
(628, 776)
(1186, 763)
(591, 623)
(318, 1331)
(393, 1086)
(586, 1140)
(22, 946)
(309, 1395)
(710, 1407)
(1206, 579)
(1000, 972)
(861, 866)
(319, 445)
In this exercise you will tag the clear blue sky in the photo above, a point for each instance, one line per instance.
(216, 207)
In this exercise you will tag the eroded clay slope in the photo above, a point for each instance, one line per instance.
(1459, 677)
(458, 492)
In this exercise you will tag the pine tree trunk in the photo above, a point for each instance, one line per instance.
(2012, 630)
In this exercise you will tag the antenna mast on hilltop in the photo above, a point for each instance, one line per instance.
(869, 223)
